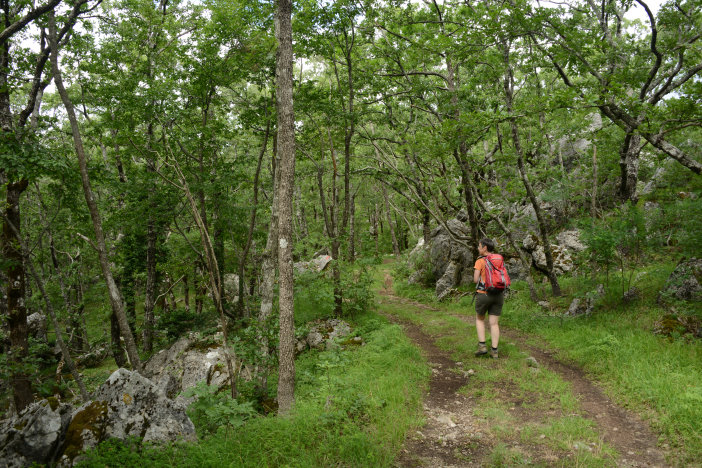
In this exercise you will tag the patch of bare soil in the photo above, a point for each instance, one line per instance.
(451, 436)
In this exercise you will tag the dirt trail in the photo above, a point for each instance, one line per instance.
(453, 437)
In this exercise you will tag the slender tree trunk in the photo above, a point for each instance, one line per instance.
(508, 87)
(593, 201)
(115, 296)
(268, 268)
(352, 229)
(252, 221)
(374, 217)
(186, 293)
(150, 292)
(386, 204)
(286, 150)
(426, 227)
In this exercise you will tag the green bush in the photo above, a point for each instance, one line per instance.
(212, 411)
(177, 322)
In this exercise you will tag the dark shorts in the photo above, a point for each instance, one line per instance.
(490, 303)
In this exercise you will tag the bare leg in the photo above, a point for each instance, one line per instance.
(480, 327)
(494, 330)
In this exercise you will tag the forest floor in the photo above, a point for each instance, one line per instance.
(505, 412)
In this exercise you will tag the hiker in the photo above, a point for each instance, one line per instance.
(492, 279)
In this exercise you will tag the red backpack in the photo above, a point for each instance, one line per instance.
(496, 277)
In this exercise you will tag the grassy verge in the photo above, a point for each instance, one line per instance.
(353, 408)
(659, 377)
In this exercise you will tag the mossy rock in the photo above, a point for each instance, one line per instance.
(92, 419)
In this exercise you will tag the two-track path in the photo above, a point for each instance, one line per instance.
(456, 435)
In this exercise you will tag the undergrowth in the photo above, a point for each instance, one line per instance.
(353, 408)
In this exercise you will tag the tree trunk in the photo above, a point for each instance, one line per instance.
(508, 87)
(116, 343)
(593, 200)
(268, 268)
(426, 227)
(186, 293)
(374, 217)
(252, 222)
(50, 310)
(629, 167)
(286, 150)
(352, 230)
(150, 292)
(114, 293)
(386, 204)
(15, 293)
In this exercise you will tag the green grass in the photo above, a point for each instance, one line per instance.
(660, 378)
(353, 408)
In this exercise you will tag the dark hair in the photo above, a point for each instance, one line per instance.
(489, 243)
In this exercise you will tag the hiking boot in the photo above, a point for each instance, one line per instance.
(482, 350)
(493, 354)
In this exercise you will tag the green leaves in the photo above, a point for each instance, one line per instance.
(22, 156)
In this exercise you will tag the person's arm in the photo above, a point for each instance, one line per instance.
(476, 276)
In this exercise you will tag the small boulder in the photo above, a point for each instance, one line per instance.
(34, 437)
(515, 269)
(570, 240)
(231, 287)
(684, 282)
(321, 262)
(580, 307)
(94, 357)
(631, 295)
(532, 362)
(36, 326)
(126, 405)
(447, 281)
(562, 261)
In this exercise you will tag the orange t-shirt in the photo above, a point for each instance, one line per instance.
(480, 266)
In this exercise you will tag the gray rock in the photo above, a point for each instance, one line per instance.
(631, 295)
(186, 363)
(127, 405)
(544, 304)
(315, 340)
(323, 335)
(321, 262)
(532, 362)
(418, 249)
(35, 435)
(570, 240)
(562, 261)
(581, 307)
(447, 281)
(94, 357)
(684, 282)
(231, 287)
(530, 242)
(36, 326)
(515, 269)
